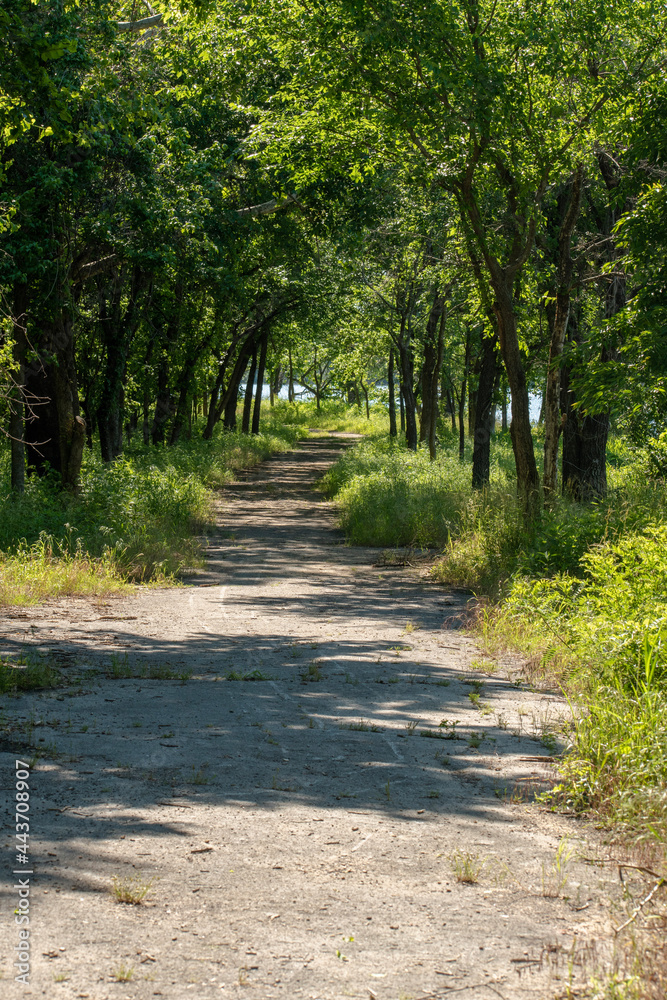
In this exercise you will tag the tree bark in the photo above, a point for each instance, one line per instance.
(260, 383)
(16, 402)
(407, 391)
(551, 399)
(502, 279)
(485, 413)
(430, 377)
(117, 330)
(392, 394)
(56, 436)
(249, 390)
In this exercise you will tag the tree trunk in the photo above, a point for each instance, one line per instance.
(407, 369)
(163, 403)
(409, 400)
(431, 372)
(485, 413)
(56, 437)
(290, 384)
(472, 405)
(364, 389)
(528, 480)
(551, 398)
(260, 384)
(392, 394)
(462, 429)
(16, 402)
(502, 279)
(584, 473)
(249, 390)
(401, 403)
(229, 418)
(435, 378)
(164, 406)
(229, 401)
(117, 330)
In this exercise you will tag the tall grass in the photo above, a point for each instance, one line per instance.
(136, 519)
(333, 415)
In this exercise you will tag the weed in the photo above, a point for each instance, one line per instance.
(387, 791)
(443, 758)
(131, 889)
(467, 867)
(253, 675)
(199, 776)
(474, 698)
(36, 676)
(435, 734)
(61, 977)
(124, 973)
(555, 879)
(277, 786)
(475, 683)
(485, 666)
(411, 726)
(433, 794)
(362, 727)
(449, 728)
(311, 673)
(411, 627)
(474, 740)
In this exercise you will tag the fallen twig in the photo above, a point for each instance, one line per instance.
(637, 910)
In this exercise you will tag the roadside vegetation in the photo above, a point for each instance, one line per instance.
(416, 234)
(581, 590)
(136, 520)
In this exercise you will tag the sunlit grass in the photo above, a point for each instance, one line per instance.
(582, 592)
(138, 520)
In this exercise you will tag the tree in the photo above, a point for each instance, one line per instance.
(491, 100)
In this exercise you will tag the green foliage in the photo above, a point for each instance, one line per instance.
(389, 496)
(333, 415)
(27, 676)
(583, 589)
(134, 519)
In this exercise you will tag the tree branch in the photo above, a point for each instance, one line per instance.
(141, 25)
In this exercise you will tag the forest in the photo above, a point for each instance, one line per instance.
(226, 224)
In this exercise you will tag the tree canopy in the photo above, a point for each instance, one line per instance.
(428, 205)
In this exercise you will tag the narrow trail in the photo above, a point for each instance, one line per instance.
(302, 833)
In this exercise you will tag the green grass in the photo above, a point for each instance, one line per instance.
(135, 520)
(21, 676)
(582, 592)
(333, 415)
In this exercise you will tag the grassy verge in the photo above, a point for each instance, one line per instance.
(333, 415)
(136, 520)
(582, 592)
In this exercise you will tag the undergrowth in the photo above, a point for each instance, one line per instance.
(582, 591)
(333, 415)
(136, 519)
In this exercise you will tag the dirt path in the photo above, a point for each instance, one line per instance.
(301, 832)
